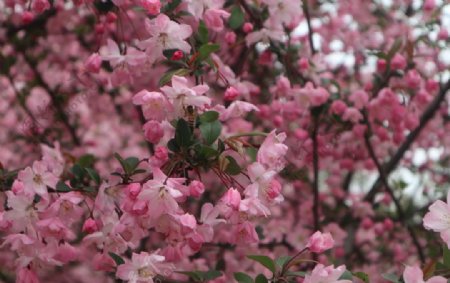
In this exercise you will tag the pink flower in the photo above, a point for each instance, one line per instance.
(143, 268)
(161, 193)
(230, 37)
(231, 94)
(154, 104)
(93, 63)
(413, 274)
(214, 19)
(247, 27)
(398, 62)
(153, 131)
(272, 151)
(232, 198)
(165, 34)
(111, 52)
(311, 96)
(352, 115)
(90, 226)
(196, 188)
(177, 55)
(437, 219)
(181, 95)
(153, 7)
(338, 107)
(40, 6)
(27, 275)
(327, 274)
(237, 109)
(37, 178)
(319, 242)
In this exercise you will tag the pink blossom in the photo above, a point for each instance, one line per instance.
(437, 219)
(214, 19)
(413, 274)
(154, 104)
(40, 6)
(272, 151)
(318, 242)
(181, 95)
(398, 62)
(247, 27)
(152, 6)
(231, 94)
(93, 63)
(327, 274)
(143, 268)
(196, 188)
(153, 131)
(90, 226)
(37, 178)
(27, 275)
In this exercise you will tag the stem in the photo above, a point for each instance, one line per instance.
(308, 22)
(384, 180)
(316, 173)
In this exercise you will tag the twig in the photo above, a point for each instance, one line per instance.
(308, 22)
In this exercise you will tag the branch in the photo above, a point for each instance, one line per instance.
(308, 22)
(384, 179)
(316, 170)
(427, 115)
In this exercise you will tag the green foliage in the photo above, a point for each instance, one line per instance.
(243, 278)
(202, 276)
(265, 261)
(237, 17)
(117, 259)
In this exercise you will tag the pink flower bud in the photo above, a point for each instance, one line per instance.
(366, 223)
(90, 226)
(443, 34)
(153, 131)
(161, 153)
(231, 94)
(319, 242)
(232, 198)
(40, 6)
(93, 63)
(381, 65)
(398, 62)
(388, 224)
(27, 17)
(301, 134)
(247, 27)
(230, 37)
(153, 7)
(177, 55)
(99, 28)
(274, 190)
(429, 5)
(338, 107)
(133, 190)
(303, 64)
(196, 188)
(111, 17)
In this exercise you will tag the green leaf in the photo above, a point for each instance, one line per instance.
(361, 275)
(119, 260)
(347, 275)
(252, 152)
(131, 163)
(77, 171)
(203, 35)
(167, 77)
(237, 17)
(207, 152)
(242, 277)
(209, 116)
(62, 187)
(281, 261)
(233, 167)
(207, 49)
(446, 256)
(261, 279)
(211, 274)
(211, 131)
(172, 5)
(296, 273)
(195, 275)
(183, 135)
(94, 175)
(173, 146)
(390, 277)
(86, 160)
(264, 260)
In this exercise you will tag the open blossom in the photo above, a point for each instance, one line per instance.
(413, 274)
(319, 242)
(154, 104)
(438, 219)
(272, 151)
(181, 95)
(37, 178)
(112, 53)
(143, 267)
(326, 274)
(165, 34)
(161, 193)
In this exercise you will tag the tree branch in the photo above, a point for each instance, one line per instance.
(308, 22)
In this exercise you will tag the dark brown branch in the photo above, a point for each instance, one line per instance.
(308, 22)
(427, 115)
(316, 170)
(384, 179)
